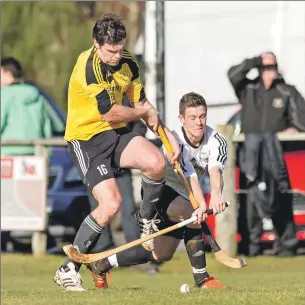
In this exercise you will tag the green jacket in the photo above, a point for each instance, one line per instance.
(23, 116)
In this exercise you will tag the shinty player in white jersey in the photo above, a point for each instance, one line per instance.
(203, 150)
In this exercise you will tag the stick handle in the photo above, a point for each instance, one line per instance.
(193, 200)
(212, 242)
(169, 148)
(164, 139)
(73, 254)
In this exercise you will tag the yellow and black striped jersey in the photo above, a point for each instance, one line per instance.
(90, 79)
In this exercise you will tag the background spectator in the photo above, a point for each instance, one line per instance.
(23, 110)
(269, 105)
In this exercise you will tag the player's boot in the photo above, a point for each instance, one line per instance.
(68, 278)
(148, 227)
(99, 272)
(211, 282)
(100, 281)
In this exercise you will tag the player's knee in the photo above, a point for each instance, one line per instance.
(156, 164)
(174, 213)
(167, 257)
(179, 211)
(114, 206)
(111, 205)
(163, 257)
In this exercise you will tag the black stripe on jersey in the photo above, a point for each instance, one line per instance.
(104, 70)
(97, 68)
(103, 102)
(90, 75)
(142, 94)
(132, 63)
(221, 148)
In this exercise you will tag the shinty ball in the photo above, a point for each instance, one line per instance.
(185, 288)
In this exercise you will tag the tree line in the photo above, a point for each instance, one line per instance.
(47, 37)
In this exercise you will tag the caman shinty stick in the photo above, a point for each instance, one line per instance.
(78, 257)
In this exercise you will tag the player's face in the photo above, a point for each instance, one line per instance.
(110, 54)
(194, 120)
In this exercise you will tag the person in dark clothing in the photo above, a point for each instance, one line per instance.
(262, 162)
(269, 105)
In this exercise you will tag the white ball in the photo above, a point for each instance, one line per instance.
(185, 288)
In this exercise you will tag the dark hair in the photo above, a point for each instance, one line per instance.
(110, 29)
(13, 65)
(191, 99)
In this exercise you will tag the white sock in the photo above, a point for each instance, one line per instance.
(113, 260)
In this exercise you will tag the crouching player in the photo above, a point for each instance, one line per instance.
(202, 150)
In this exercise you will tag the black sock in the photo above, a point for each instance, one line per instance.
(195, 249)
(86, 238)
(152, 191)
(133, 256)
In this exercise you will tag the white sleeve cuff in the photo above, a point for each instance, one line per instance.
(220, 165)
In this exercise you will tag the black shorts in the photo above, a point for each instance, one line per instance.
(98, 159)
(169, 196)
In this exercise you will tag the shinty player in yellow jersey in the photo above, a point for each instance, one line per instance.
(99, 142)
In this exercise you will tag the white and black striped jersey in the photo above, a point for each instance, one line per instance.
(212, 152)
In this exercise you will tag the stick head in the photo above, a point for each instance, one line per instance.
(222, 257)
(76, 256)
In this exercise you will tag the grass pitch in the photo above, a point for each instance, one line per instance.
(266, 280)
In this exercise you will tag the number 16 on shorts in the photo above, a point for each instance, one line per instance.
(102, 169)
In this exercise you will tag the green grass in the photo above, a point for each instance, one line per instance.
(266, 280)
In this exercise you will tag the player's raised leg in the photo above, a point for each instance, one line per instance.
(143, 155)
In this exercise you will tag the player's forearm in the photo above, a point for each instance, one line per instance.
(238, 72)
(170, 136)
(147, 105)
(121, 114)
(197, 190)
(144, 104)
(216, 181)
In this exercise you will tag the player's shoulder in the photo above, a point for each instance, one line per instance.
(84, 68)
(128, 55)
(178, 134)
(84, 56)
(129, 59)
(214, 137)
(82, 60)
